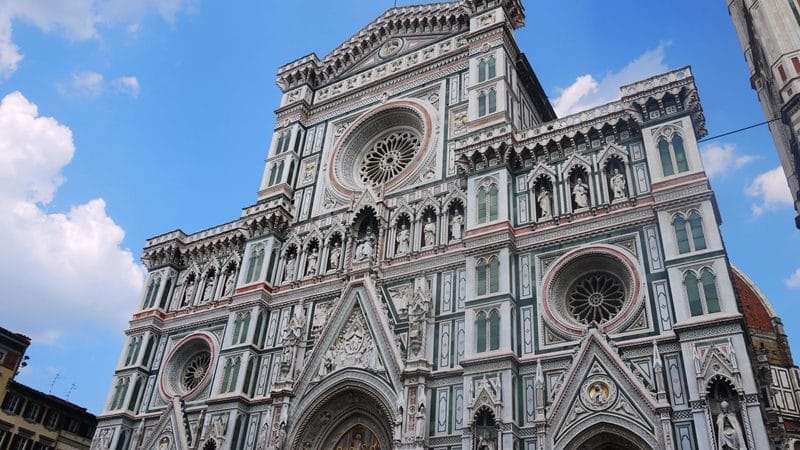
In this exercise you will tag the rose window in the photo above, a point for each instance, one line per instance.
(596, 297)
(388, 156)
(195, 370)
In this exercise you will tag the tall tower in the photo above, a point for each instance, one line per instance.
(436, 261)
(769, 32)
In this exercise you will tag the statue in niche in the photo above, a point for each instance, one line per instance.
(429, 232)
(403, 238)
(729, 432)
(188, 292)
(327, 364)
(544, 200)
(280, 436)
(105, 438)
(208, 288)
(456, 225)
(420, 418)
(334, 256)
(230, 283)
(365, 250)
(486, 443)
(399, 417)
(291, 262)
(401, 298)
(311, 268)
(218, 428)
(618, 185)
(580, 193)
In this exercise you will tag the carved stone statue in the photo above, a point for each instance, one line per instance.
(399, 417)
(729, 433)
(365, 250)
(311, 268)
(456, 225)
(403, 238)
(580, 193)
(105, 438)
(230, 283)
(188, 292)
(429, 233)
(420, 418)
(291, 270)
(486, 443)
(208, 288)
(280, 436)
(321, 314)
(334, 256)
(618, 185)
(544, 201)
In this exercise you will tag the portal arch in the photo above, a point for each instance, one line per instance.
(607, 436)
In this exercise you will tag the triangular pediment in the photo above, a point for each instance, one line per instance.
(167, 432)
(357, 337)
(390, 47)
(600, 388)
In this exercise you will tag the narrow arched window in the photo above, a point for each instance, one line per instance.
(492, 107)
(482, 104)
(480, 276)
(491, 69)
(494, 330)
(165, 294)
(482, 70)
(680, 153)
(696, 225)
(494, 275)
(681, 237)
(710, 291)
(480, 332)
(493, 202)
(693, 294)
(482, 204)
(666, 158)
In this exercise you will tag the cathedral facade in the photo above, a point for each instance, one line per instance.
(435, 260)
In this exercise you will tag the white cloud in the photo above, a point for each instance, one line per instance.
(720, 159)
(77, 20)
(586, 92)
(58, 271)
(794, 280)
(771, 190)
(89, 85)
(127, 85)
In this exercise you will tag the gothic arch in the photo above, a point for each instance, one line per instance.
(607, 435)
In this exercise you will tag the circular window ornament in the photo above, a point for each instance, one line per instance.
(596, 297)
(388, 155)
(598, 285)
(188, 366)
(384, 148)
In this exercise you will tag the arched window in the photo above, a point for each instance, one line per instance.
(487, 102)
(684, 228)
(702, 293)
(120, 390)
(165, 294)
(487, 69)
(230, 374)
(492, 100)
(487, 275)
(259, 327)
(481, 70)
(480, 332)
(666, 158)
(488, 201)
(494, 330)
(255, 264)
(135, 395)
(673, 155)
(133, 350)
(696, 225)
(151, 288)
(482, 104)
(240, 325)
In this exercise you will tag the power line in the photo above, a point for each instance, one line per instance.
(739, 130)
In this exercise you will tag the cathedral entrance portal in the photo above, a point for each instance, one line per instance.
(348, 420)
(605, 438)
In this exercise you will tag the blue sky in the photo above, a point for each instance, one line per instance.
(124, 119)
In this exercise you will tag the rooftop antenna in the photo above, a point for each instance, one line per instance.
(53, 382)
(69, 391)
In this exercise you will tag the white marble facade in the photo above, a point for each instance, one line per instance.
(399, 282)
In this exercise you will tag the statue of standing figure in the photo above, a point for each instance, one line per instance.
(334, 256)
(291, 270)
(311, 268)
(429, 232)
(580, 193)
(729, 432)
(544, 203)
(403, 238)
(618, 185)
(456, 223)
(366, 248)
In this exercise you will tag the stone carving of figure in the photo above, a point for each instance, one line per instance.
(580, 193)
(334, 256)
(420, 418)
(105, 438)
(230, 283)
(218, 428)
(280, 436)
(402, 298)
(728, 430)
(618, 184)
(320, 316)
(365, 250)
(456, 223)
(311, 268)
(327, 364)
(208, 289)
(403, 238)
(544, 201)
(289, 274)
(597, 394)
(429, 232)
(188, 292)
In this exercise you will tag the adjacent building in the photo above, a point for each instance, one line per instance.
(436, 261)
(769, 32)
(34, 420)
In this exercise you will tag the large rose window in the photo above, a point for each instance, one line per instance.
(188, 366)
(383, 148)
(195, 370)
(596, 298)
